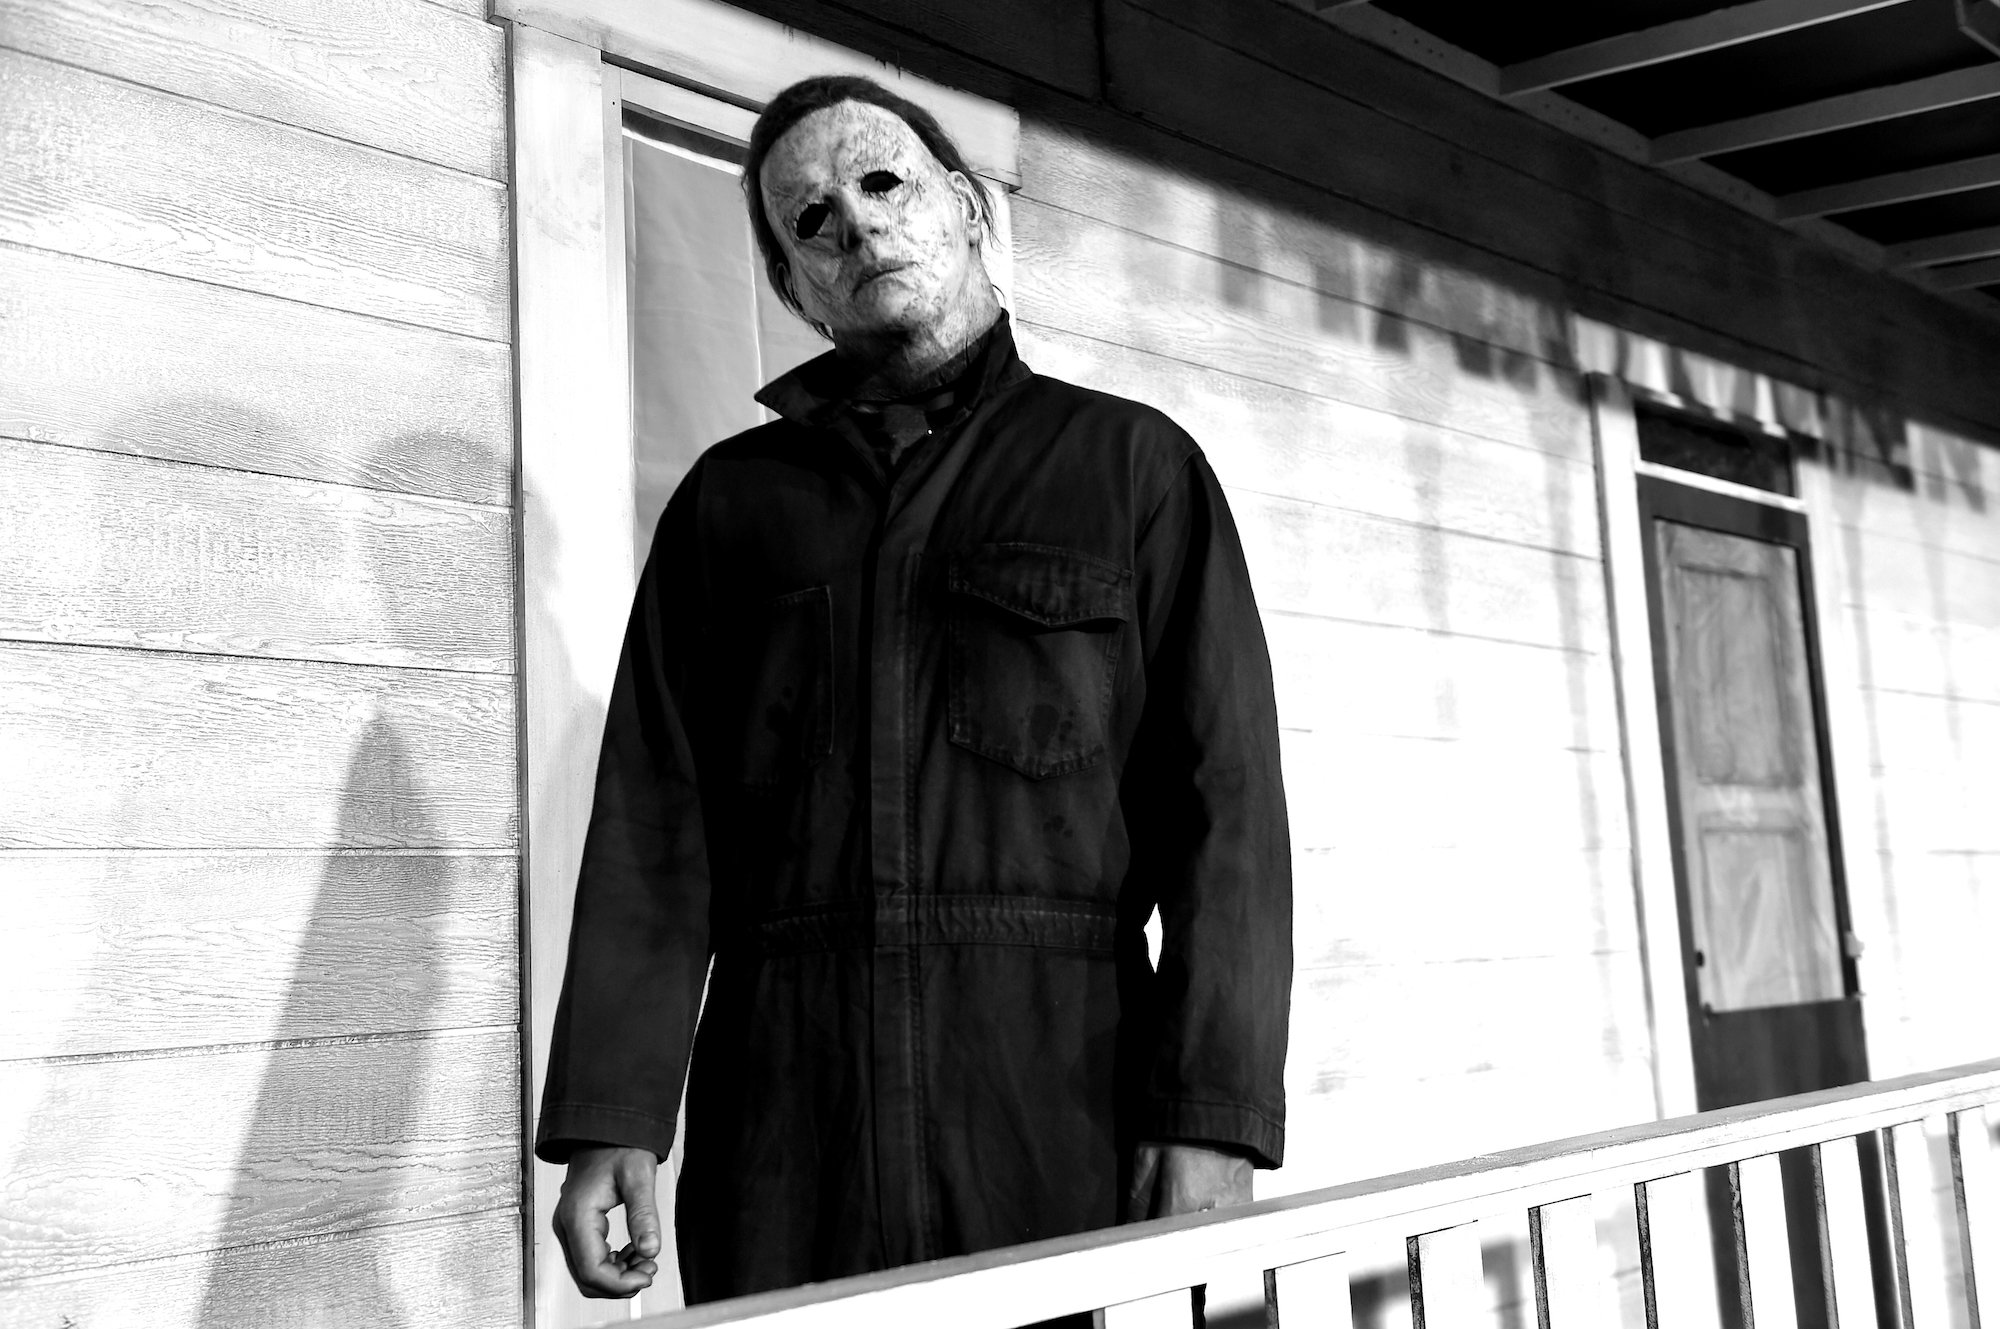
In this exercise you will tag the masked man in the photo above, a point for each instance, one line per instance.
(934, 689)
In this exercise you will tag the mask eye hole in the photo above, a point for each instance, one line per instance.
(880, 182)
(811, 220)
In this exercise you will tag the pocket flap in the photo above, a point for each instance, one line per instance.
(1053, 587)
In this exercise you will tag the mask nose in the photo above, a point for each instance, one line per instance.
(859, 217)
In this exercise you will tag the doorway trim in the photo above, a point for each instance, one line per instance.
(1615, 430)
(1612, 395)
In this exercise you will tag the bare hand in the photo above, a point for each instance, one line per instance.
(1184, 1179)
(601, 1178)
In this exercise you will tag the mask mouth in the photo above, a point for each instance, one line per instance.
(878, 269)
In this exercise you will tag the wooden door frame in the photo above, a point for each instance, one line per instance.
(575, 66)
(1613, 397)
(1777, 519)
(1615, 430)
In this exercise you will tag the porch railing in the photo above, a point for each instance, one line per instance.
(1141, 1275)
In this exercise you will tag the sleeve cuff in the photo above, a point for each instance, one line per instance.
(567, 1127)
(1230, 1126)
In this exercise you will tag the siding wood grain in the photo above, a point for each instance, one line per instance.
(400, 75)
(1277, 229)
(1349, 792)
(144, 1158)
(122, 551)
(1924, 581)
(410, 1276)
(109, 170)
(1403, 1117)
(1936, 772)
(1094, 281)
(186, 371)
(1410, 904)
(1051, 41)
(1554, 1012)
(1339, 677)
(1915, 653)
(140, 749)
(124, 952)
(1312, 560)
(1274, 440)
(1964, 528)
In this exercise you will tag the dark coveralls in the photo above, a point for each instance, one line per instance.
(914, 759)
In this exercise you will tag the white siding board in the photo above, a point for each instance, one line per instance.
(1276, 440)
(127, 1159)
(125, 951)
(409, 1276)
(121, 551)
(136, 749)
(1116, 286)
(400, 75)
(187, 371)
(109, 170)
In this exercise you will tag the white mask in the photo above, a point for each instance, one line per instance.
(882, 241)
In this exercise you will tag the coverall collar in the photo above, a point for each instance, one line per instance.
(819, 391)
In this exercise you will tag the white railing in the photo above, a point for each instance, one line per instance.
(1141, 1274)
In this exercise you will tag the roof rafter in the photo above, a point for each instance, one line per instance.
(1830, 113)
(1972, 275)
(1673, 41)
(1984, 242)
(1898, 187)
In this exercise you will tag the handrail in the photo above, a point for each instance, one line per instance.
(1012, 1286)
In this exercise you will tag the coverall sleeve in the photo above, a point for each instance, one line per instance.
(639, 939)
(1204, 798)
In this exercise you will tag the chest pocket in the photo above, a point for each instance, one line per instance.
(774, 685)
(1034, 639)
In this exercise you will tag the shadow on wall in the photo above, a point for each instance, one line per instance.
(386, 1137)
(260, 1082)
(298, 1160)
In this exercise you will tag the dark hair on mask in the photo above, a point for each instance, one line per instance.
(817, 94)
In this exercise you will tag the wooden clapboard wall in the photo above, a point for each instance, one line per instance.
(1909, 558)
(258, 855)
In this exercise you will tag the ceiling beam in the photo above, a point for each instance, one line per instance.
(1960, 245)
(1831, 113)
(1673, 41)
(1899, 187)
(1980, 20)
(1966, 278)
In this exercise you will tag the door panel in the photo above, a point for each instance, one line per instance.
(1759, 868)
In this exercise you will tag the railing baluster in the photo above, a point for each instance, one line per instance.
(1913, 1186)
(1447, 1284)
(1313, 1294)
(1850, 1289)
(1569, 1287)
(1674, 1251)
(1763, 1248)
(1978, 1212)
(1169, 1310)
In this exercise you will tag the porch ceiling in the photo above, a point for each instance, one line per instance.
(1870, 125)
